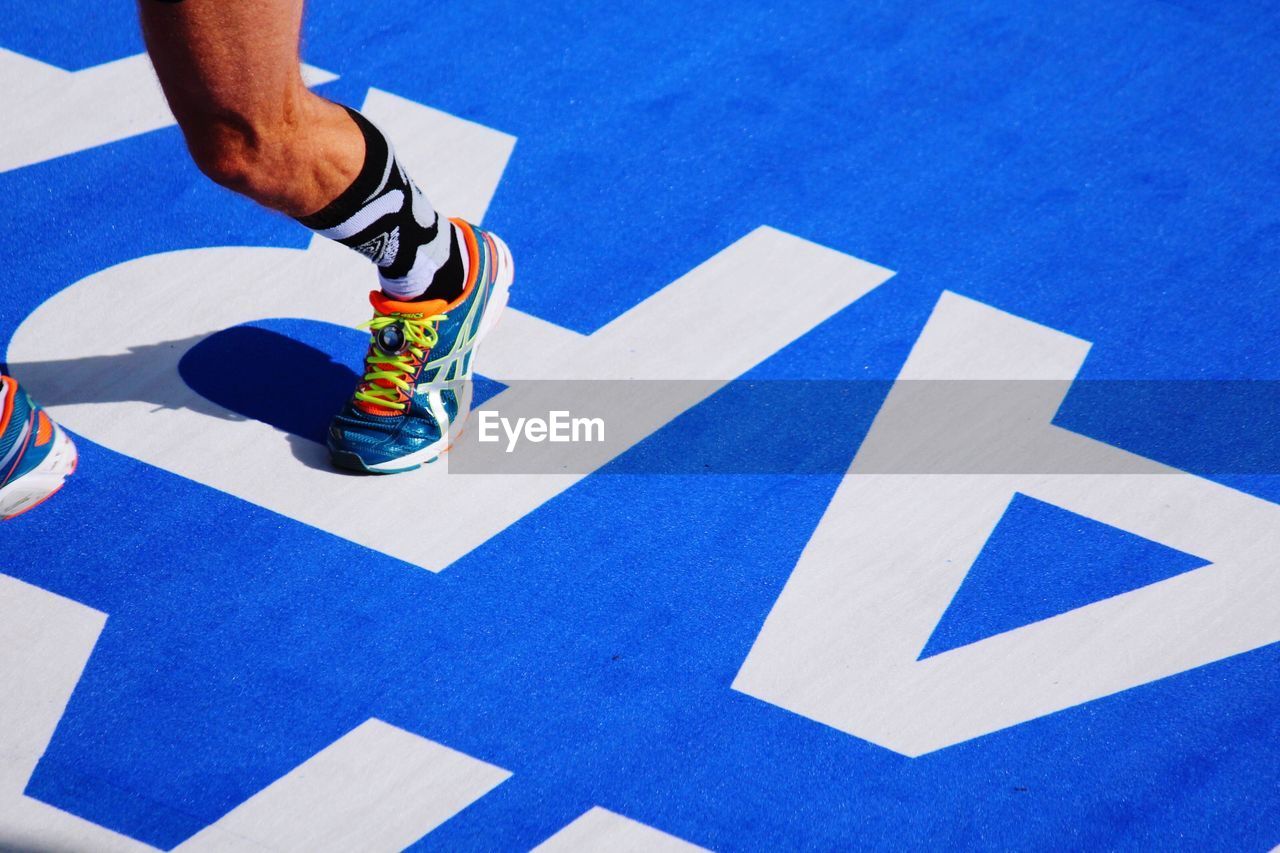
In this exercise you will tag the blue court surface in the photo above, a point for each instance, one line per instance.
(208, 639)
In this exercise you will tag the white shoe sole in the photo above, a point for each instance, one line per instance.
(34, 487)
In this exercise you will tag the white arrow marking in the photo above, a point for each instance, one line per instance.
(602, 830)
(841, 643)
(378, 788)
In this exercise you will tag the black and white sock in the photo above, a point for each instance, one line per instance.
(385, 217)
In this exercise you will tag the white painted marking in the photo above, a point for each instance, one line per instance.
(69, 111)
(45, 641)
(600, 830)
(841, 643)
(456, 162)
(115, 380)
(376, 788)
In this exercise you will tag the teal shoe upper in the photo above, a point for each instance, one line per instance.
(416, 387)
(21, 447)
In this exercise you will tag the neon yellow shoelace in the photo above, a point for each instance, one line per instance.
(397, 370)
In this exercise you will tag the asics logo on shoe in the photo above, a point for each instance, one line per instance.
(9, 463)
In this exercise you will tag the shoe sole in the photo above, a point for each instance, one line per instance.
(38, 485)
(493, 311)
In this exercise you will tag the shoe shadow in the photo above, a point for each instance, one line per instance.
(272, 377)
(290, 374)
(262, 374)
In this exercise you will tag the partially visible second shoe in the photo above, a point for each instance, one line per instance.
(416, 390)
(36, 456)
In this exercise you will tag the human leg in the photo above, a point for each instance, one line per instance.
(230, 69)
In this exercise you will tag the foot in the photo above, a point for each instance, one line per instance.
(36, 456)
(416, 390)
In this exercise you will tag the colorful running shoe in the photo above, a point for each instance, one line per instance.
(36, 456)
(416, 391)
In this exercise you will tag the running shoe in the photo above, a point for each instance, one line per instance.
(36, 456)
(416, 390)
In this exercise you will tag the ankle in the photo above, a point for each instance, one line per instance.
(450, 279)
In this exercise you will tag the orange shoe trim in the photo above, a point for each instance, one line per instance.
(44, 429)
(12, 385)
(473, 258)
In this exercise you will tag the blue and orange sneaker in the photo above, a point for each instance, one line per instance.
(416, 391)
(36, 456)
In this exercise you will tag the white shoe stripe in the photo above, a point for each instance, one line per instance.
(16, 449)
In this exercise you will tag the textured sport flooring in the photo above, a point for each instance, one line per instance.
(823, 615)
